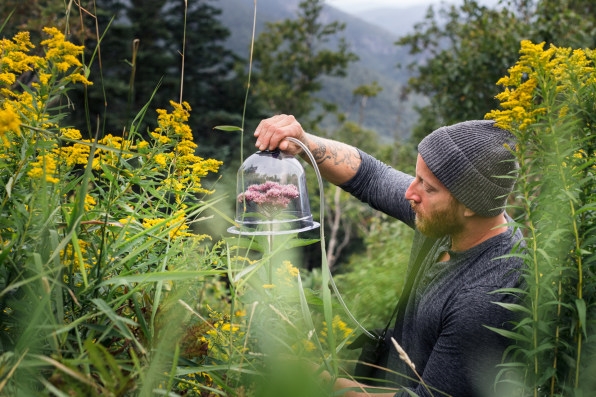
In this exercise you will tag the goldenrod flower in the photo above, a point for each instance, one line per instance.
(89, 202)
(73, 153)
(229, 327)
(63, 54)
(160, 159)
(70, 133)
(9, 122)
(339, 327)
(44, 166)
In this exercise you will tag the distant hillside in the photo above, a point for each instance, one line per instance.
(373, 43)
(398, 21)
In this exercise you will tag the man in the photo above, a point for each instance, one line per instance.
(460, 253)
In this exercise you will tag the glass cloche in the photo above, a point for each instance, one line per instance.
(271, 196)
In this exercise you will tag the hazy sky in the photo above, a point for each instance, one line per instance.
(359, 5)
(356, 5)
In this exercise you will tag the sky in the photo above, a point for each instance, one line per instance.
(359, 5)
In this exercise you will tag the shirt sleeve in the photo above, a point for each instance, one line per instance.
(382, 187)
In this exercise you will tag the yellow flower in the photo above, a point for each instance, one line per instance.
(142, 145)
(160, 159)
(9, 122)
(8, 78)
(44, 166)
(72, 153)
(176, 226)
(15, 59)
(63, 54)
(89, 202)
(292, 270)
(71, 133)
(229, 327)
(125, 221)
(339, 327)
(308, 345)
(287, 274)
(175, 135)
(240, 313)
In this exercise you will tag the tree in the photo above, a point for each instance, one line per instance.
(214, 80)
(140, 60)
(364, 92)
(34, 15)
(565, 23)
(467, 48)
(292, 55)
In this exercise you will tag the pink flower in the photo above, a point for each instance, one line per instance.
(270, 196)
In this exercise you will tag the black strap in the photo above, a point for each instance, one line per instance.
(361, 340)
(394, 314)
(401, 302)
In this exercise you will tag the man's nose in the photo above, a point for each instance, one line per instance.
(411, 194)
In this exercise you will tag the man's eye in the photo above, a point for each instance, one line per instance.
(427, 188)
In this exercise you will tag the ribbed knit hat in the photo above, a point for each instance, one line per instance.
(473, 160)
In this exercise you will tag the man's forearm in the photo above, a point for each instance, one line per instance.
(337, 162)
(352, 388)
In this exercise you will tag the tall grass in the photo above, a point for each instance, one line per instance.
(97, 237)
(548, 102)
(108, 286)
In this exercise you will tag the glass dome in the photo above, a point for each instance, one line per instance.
(271, 196)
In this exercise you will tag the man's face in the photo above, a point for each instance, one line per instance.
(438, 213)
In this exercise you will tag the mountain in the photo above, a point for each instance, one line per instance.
(399, 21)
(390, 115)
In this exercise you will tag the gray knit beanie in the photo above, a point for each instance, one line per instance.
(473, 160)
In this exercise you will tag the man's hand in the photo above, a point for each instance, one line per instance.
(271, 134)
(338, 162)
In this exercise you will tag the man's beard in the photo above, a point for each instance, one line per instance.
(439, 223)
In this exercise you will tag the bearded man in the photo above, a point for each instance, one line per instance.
(448, 313)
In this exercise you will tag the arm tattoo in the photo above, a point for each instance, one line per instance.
(338, 153)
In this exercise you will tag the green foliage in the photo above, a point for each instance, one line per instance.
(376, 276)
(469, 47)
(565, 24)
(96, 238)
(109, 283)
(548, 102)
(183, 57)
(291, 57)
(35, 15)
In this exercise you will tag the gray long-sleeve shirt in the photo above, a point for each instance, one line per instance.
(443, 327)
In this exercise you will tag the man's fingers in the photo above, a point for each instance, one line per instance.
(271, 132)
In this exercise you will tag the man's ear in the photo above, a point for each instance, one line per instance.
(468, 212)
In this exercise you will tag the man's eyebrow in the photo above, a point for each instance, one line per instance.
(426, 182)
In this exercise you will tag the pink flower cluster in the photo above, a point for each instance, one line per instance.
(270, 194)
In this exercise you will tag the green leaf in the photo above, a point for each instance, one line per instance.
(109, 371)
(118, 323)
(301, 242)
(410, 392)
(513, 307)
(509, 334)
(161, 276)
(580, 304)
(228, 128)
